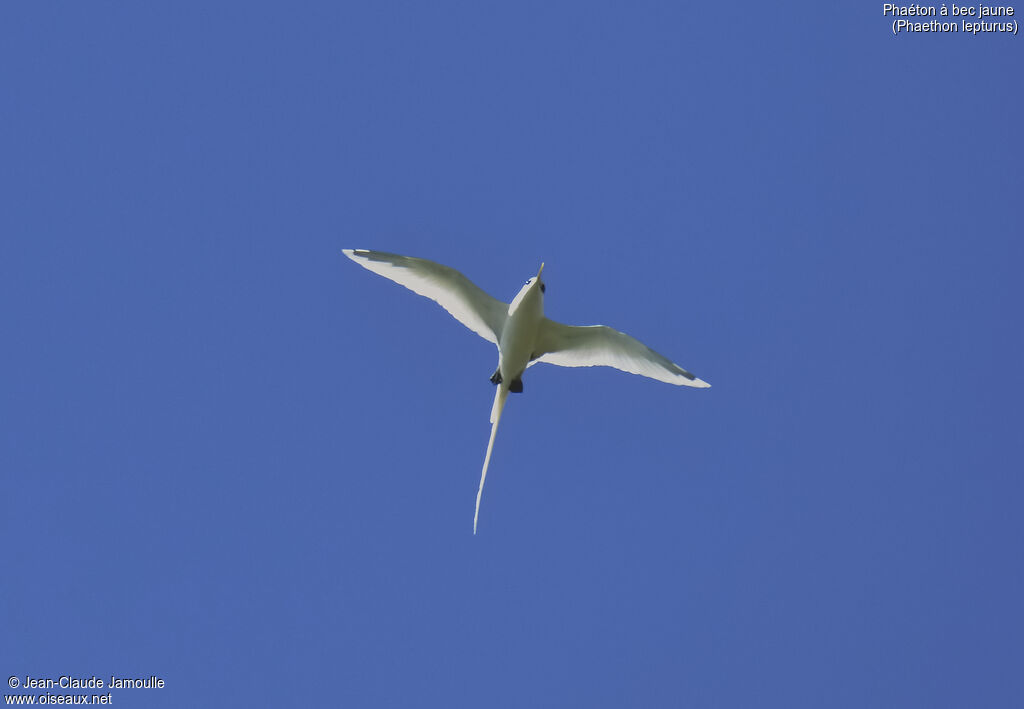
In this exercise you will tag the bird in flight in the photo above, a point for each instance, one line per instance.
(521, 332)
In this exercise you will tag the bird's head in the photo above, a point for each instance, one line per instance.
(533, 290)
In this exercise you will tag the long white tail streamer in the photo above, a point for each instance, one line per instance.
(496, 409)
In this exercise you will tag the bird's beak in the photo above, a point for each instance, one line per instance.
(541, 269)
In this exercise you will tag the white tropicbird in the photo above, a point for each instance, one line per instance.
(521, 332)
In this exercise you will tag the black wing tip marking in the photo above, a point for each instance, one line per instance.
(393, 260)
(373, 255)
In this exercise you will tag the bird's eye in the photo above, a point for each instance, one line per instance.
(543, 288)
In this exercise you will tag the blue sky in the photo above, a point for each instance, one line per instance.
(233, 459)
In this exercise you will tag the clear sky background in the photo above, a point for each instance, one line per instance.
(234, 459)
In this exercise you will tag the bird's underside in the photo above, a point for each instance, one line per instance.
(515, 386)
(522, 334)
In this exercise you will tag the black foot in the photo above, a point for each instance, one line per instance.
(516, 387)
(496, 377)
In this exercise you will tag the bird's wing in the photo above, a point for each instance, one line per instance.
(601, 346)
(466, 302)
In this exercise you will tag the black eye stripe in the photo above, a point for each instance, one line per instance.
(543, 288)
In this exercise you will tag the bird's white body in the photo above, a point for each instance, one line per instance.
(516, 345)
(519, 336)
(521, 332)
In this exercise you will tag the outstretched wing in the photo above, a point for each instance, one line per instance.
(601, 346)
(466, 302)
